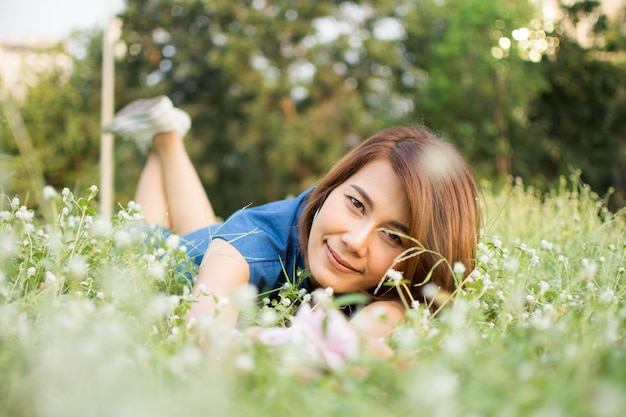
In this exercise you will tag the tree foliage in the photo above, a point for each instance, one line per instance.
(279, 90)
(578, 122)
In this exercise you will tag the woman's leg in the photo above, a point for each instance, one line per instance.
(169, 191)
(150, 193)
(187, 207)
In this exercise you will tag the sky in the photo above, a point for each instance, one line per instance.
(24, 19)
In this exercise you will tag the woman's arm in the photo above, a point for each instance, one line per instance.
(222, 271)
(375, 322)
(379, 318)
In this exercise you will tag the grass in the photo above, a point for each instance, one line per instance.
(91, 324)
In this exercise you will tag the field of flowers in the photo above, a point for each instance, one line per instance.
(92, 323)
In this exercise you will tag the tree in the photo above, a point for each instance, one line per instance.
(578, 123)
(466, 77)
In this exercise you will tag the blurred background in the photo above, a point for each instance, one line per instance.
(279, 90)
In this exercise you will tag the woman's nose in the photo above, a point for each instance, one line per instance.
(357, 239)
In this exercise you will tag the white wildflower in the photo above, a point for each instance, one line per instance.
(201, 289)
(156, 271)
(5, 216)
(49, 192)
(78, 267)
(244, 362)
(497, 242)
(267, 317)
(172, 242)
(245, 296)
(51, 279)
(65, 211)
(100, 295)
(31, 271)
(607, 296)
(459, 268)
(544, 287)
(394, 276)
(534, 260)
(93, 188)
(65, 192)
(511, 265)
(547, 245)
(306, 298)
(286, 302)
(123, 238)
(415, 304)
(24, 214)
(222, 302)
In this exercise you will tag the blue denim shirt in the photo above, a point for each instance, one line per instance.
(267, 236)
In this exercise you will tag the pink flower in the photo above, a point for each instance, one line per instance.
(325, 337)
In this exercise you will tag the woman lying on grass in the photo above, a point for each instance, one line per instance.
(400, 189)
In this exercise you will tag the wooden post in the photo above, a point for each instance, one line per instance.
(106, 143)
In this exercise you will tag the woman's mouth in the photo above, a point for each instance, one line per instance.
(338, 262)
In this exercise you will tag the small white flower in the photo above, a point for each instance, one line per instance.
(172, 242)
(222, 302)
(78, 267)
(201, 289)
(534, 260)
(24, 214)
(5, 216)
(286, 302)
(306, 298)
(100, 295)
(394, 276)
(244, 362)
(65, 192)
(51, 279)
(93, 188)
(415, 304)
(65, 211)
(156, 271)
(123, 238)
(267, 317)
(607, 296)
(459, 268)
(49, 192)
(31, 271)
(15, 203)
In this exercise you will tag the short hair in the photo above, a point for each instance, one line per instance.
(442, 197)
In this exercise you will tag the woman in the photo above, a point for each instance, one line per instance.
(400, 189)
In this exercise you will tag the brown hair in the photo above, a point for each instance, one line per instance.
(442, 196)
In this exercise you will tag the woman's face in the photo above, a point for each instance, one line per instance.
(347, 249)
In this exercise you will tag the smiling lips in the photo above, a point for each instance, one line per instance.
(338, 262)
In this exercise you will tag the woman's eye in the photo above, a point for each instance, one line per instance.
(394, 238)
(356, 203)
